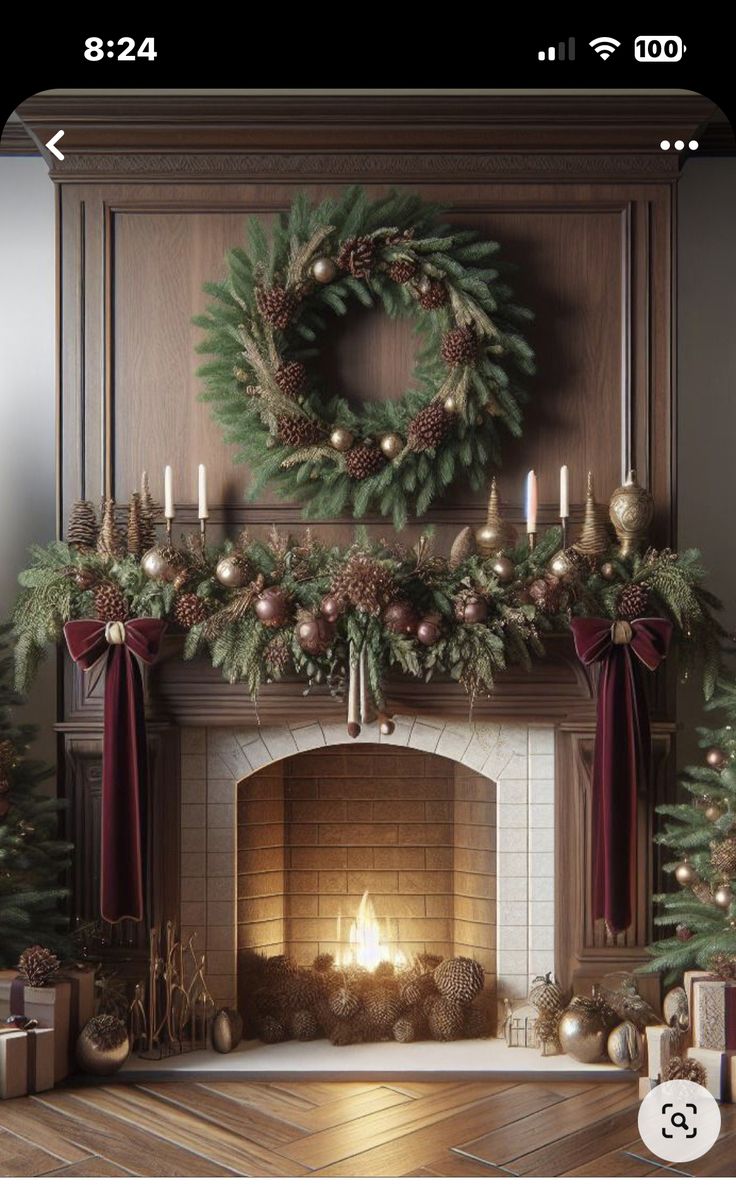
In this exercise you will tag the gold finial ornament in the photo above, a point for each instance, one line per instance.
(631, 510)
(593, 536)
(497, 533)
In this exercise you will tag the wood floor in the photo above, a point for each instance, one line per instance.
(417, 1129)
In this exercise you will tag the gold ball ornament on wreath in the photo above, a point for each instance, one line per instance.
(232, 571)
(716, 758)
(103, 1046)
(713, 811)
(400, 617)
(324, 269)
(723, 896)
(608, 571)
(392, 445)
(504, 568)
(341, 438)
(685, 874)
(471, 610)
(161, 563)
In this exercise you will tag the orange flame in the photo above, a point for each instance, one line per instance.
(365, 947)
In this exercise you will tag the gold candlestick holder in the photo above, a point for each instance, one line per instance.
(169, 526)
(631, 510)
(564, 522)
(531, 538)
(203, 532)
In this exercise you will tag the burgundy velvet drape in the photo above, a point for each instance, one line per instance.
(124, 757)
(621, 761)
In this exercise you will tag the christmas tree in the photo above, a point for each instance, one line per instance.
(32, 859)
(701, 914)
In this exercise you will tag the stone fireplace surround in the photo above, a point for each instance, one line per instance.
(517, 758)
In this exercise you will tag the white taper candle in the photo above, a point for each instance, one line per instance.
(564, 492)
(202, 492)
(531, 503)
(168, 492)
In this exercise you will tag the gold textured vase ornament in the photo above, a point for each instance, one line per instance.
(631, 510)
(593, 538)
(497, 533)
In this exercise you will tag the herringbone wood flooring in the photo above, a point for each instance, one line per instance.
(364, 1129)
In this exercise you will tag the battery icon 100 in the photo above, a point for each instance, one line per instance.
(659, 48)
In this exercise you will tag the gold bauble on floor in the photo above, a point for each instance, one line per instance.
(103, 1046)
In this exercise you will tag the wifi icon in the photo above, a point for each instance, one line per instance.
(604, 47)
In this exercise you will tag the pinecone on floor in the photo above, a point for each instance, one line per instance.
(401, 270)
(458, 346)
(446, 1019)
(684, 1068)
(37, 965)
(429, 427)
(459, 978)
(357, 256)
(723, 857)
(277, 306)
(298, 431)
(291, 377)
(82, 531)
(364, 583)
(190, 610)
(304, 1025)
(110, 603)
(632, 602)
(364, 460)
(344, 1002)
(434, 296)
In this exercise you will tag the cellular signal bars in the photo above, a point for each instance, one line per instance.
(560, 52)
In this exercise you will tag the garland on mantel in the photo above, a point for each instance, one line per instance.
(263, 611)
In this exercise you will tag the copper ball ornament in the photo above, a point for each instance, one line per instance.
(429, 630)
(392, 445)
(324, 269)
(504, 568)
(685, 874)
(386, 725)
(723, 896)
(272, 607)
(715, 758)
(713, 811)
(341, 438)
(400, 617)
(472, 610)
(231, 572)
(314, 634)
(331, 607)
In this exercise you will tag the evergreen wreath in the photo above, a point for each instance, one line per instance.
(263, 328)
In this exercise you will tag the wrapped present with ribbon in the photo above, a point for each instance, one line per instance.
(622, 752)
(712, 1001)
(120, 646)
(50, 1005)
(26, 1059)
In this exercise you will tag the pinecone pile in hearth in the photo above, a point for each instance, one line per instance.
(357, 256)
(632, 602)
(364, 460)
(37, 965)
(291, 377)
(110, 602)
(298, 431)
(458, 346)
(364, 583)
(429, 427)
(277, 306)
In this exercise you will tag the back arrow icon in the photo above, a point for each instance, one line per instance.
(51, 144)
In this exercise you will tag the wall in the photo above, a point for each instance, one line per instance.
(707, 391)
(27, 392)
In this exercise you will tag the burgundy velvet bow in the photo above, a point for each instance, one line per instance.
(621, 760)
(124, 755)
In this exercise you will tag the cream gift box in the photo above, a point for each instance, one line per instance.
(716, 1065)
(50, 1005)
(26, 1061)
(662, 1044)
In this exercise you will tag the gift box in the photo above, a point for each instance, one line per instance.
(713, 1014)
(662, 1044)
(717, 1071)
(50, 1005)
(26, 1061)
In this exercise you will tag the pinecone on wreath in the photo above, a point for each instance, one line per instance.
(364, 460)
(291, 378)
(37, 965)
(458, 346)
(110, 603)
(434, 295)
(429, 427)
(364, 583)
(357, 256)
(276, 305)
(546, 594)
(401, 270)
(632, 602)
(190, 610)
(298, 431)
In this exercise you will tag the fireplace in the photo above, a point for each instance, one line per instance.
(449, 826)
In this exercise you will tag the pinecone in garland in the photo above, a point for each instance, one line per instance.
(357, 256)
(723, 857)
(304, 1025)
(277, 657)
(401, 270)
(364, 460)
(86, 578)
(271, 1029)
(546, 594)
(364, 583)
(277, 306)
(458, 346)
(344, 1002)
(37, 965)
(459, 978)
(110, 603)
(190, 610)
(434, 296)
(291, 377)
(446, 1019)
(632, 602)
(298, 431)
(82, 531)
(429, 427)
